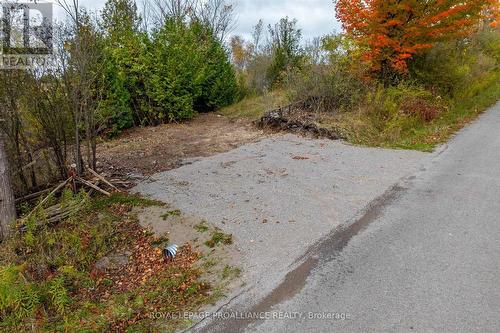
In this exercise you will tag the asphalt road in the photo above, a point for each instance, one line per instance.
(425, 257)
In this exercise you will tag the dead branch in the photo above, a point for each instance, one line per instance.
(41, 203)
(95, 187)
(103, 179)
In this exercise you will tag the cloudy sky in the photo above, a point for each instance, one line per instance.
(315, 17)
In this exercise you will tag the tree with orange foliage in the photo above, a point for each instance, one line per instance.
(494, 14)
(393, 31)
(240, 52)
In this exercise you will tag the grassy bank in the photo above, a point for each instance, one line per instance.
(370, 126)
(254, 107)
(379, 122)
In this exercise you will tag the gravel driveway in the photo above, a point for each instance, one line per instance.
(280, 195)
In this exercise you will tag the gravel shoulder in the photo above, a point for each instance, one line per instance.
(279, 196)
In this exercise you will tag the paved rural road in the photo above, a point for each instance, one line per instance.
(424, 258)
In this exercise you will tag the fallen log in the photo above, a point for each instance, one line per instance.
(31, 196)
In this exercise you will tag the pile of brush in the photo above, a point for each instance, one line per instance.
(300, 118)
(94, 182)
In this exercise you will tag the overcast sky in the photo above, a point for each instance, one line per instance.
(315, 17)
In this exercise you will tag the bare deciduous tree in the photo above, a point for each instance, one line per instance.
(257, 36)
(80, 77)
(161, 10)
(219, 15)
(146, 15)
(72, 9)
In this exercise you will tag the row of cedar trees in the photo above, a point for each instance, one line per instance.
(392, 32)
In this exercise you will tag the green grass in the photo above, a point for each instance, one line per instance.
(202, 227)
(209, 263)
(230, 272)
(462, 111)
(100, 203)
(175, 212)
(367, 127)
(219, 238)
(255, 107)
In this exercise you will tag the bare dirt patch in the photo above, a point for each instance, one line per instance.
(148, 150)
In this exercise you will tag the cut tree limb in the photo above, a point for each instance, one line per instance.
(41, 203)
(89, 184)
(103, 179)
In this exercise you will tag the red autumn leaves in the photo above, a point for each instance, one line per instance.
(393, 31)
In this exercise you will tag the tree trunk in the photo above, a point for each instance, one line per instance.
(7, 207)
(78, 148)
